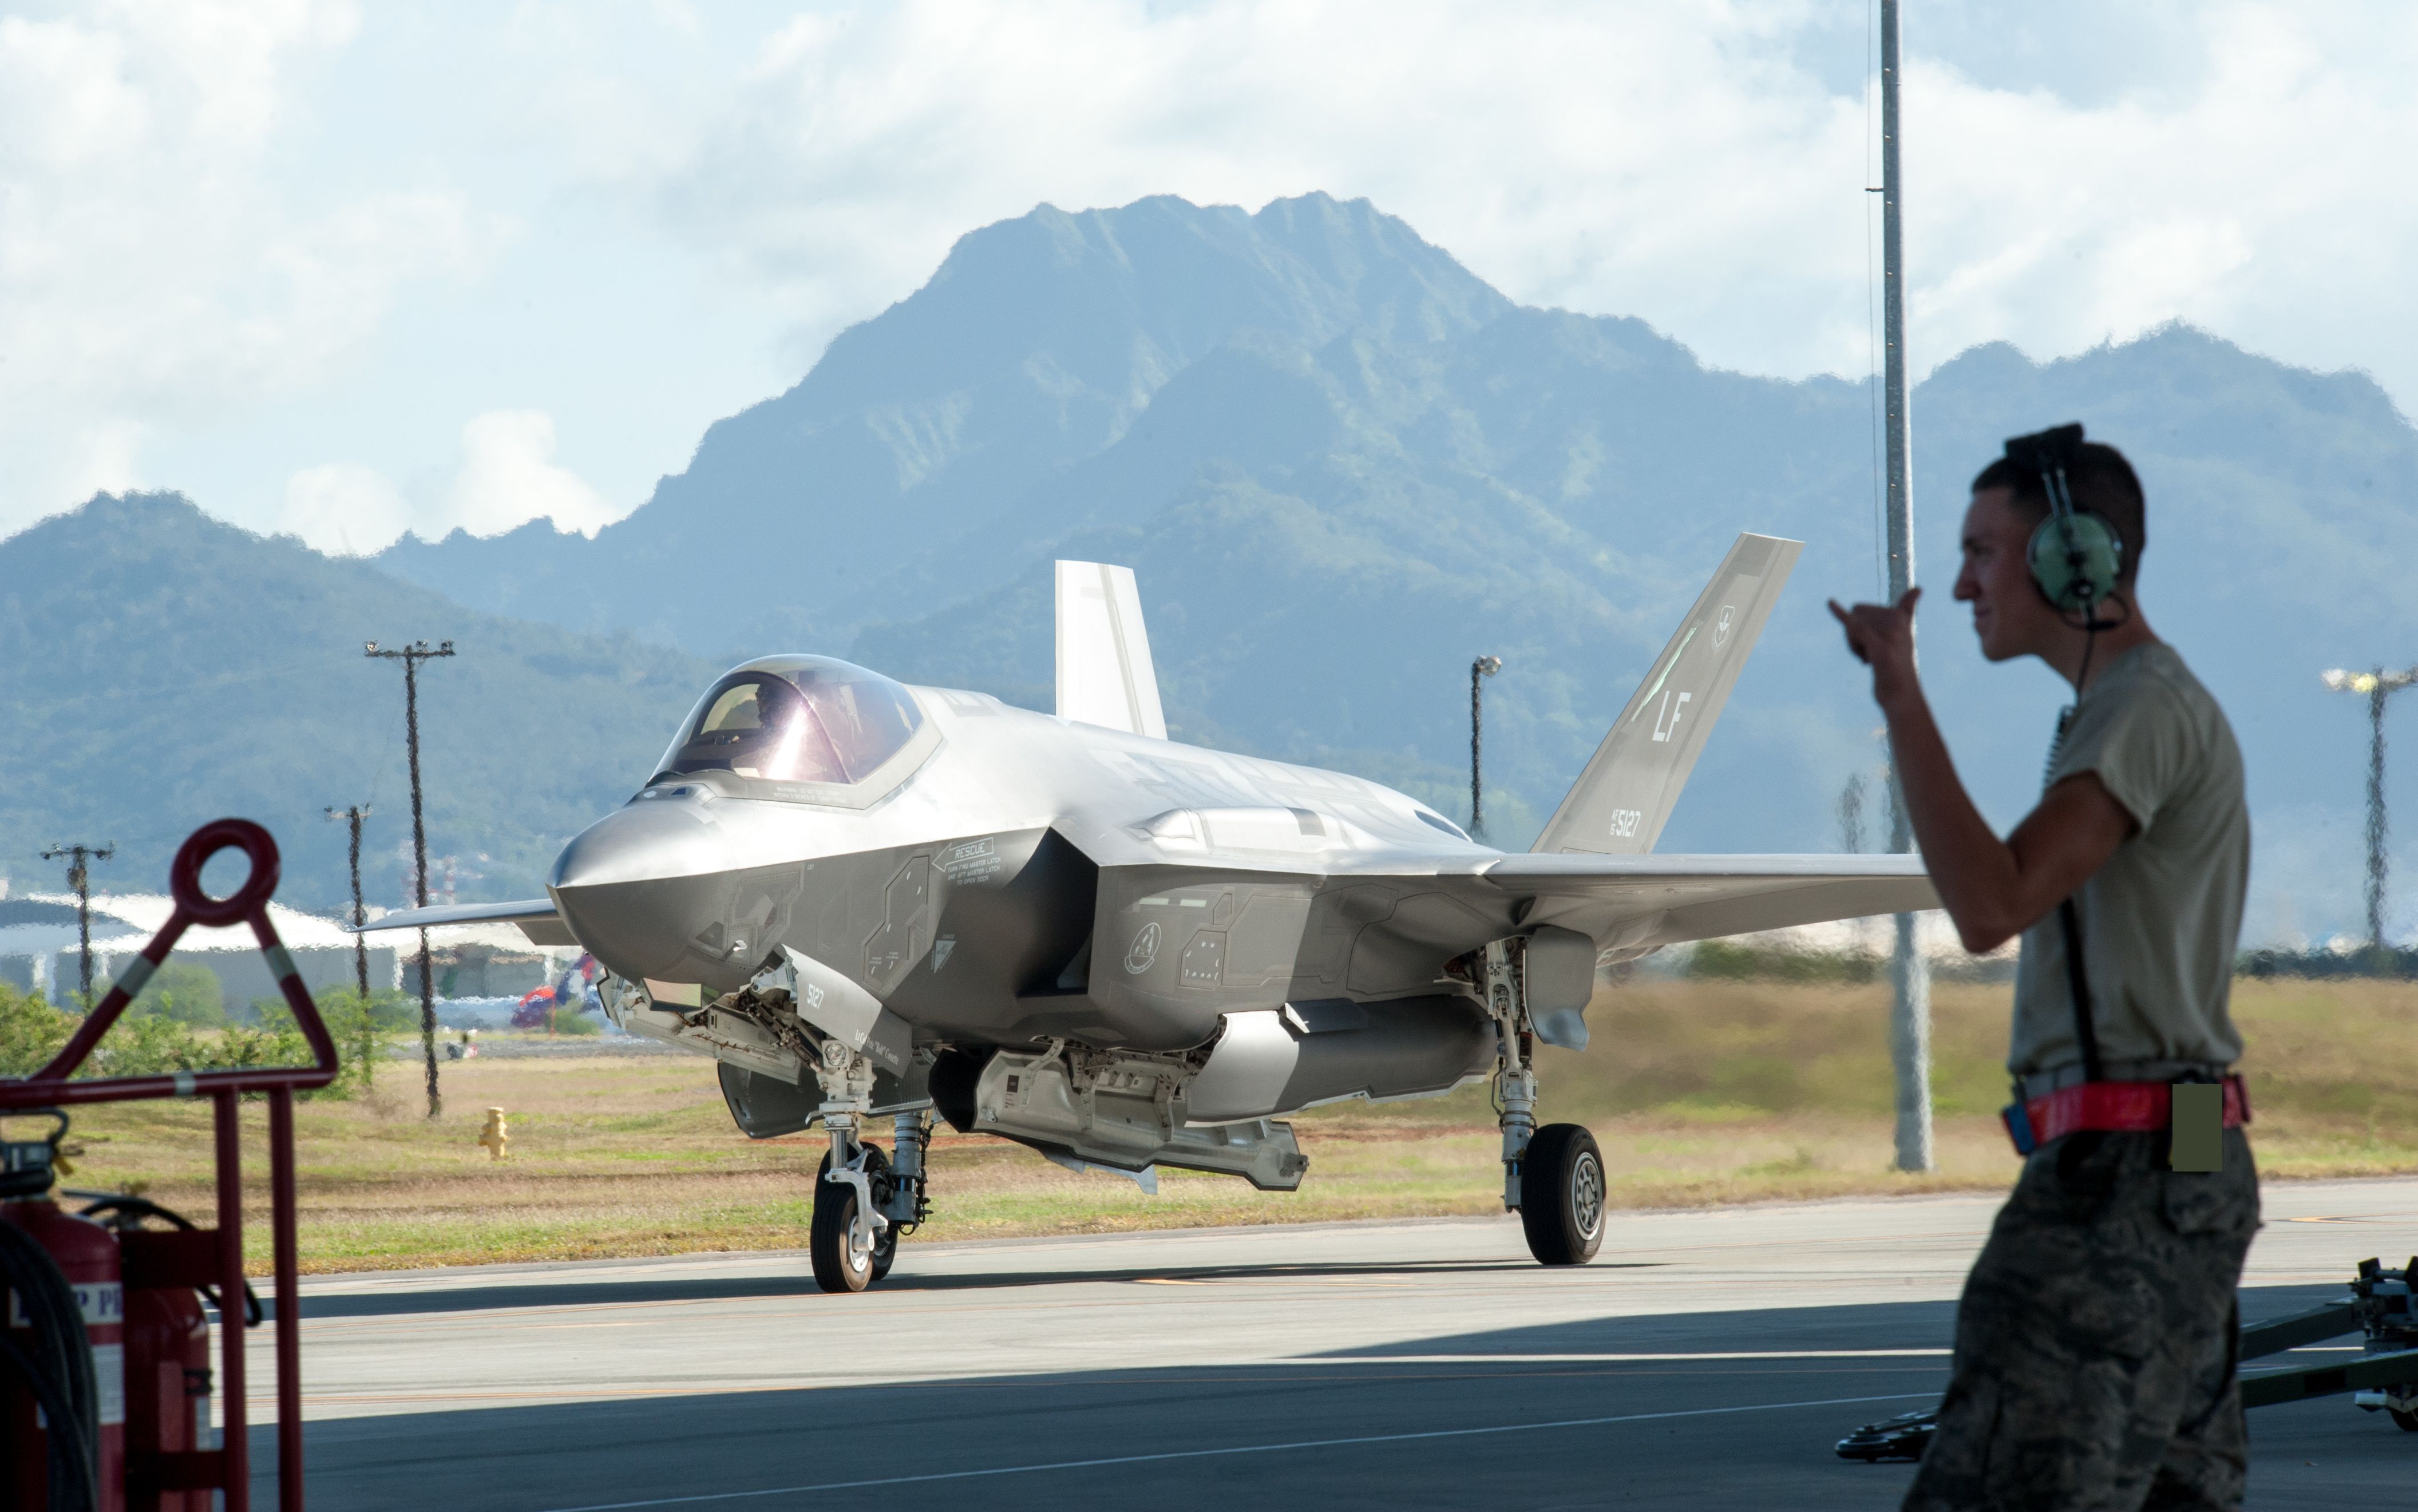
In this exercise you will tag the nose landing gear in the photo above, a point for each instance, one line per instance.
(864, 1201)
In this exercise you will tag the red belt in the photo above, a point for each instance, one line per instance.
(2120, 1107)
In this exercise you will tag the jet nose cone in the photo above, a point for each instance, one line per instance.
(648, 840)
(646, 889)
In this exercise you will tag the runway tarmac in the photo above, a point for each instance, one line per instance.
(1707, 1358)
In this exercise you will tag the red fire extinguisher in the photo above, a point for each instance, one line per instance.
(63, 1396)
(167, 1354)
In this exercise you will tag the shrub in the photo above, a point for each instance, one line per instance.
(184, 991)
(31, 1031)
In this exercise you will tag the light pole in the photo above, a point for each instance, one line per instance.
(81, 880)
(411, 656)
(2377, 685)
(1485, 666)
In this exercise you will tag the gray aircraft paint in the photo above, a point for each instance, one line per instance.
(1276, 933)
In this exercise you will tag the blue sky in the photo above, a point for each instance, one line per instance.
(345, 270)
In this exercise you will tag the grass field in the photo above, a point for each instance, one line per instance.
(1701, 1093)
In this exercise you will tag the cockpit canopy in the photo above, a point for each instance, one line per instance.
(797, 719)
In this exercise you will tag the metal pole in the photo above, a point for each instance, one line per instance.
(411, 656)
(1909, 973)
(1485, 666)
(419, 882)
(2376, 857)
(1477, 784)
(80, 879)
(368, 1046)
(360, 914)
(235, 1445)
(286, 1266)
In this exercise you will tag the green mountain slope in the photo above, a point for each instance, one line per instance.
(159, 669)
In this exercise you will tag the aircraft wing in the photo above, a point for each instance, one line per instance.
(1631, 905)
(536, 917)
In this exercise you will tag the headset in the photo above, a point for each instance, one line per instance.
(2076, 556)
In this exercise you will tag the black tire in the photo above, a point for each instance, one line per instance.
(885, 1244)
(1562, 1194)
(834, 1213)
(2403, 1418)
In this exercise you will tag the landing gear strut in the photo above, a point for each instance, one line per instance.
(864, 1201)
(1552, 1177)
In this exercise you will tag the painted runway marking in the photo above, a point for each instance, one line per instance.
(1239, 1449)
(1617, 1359)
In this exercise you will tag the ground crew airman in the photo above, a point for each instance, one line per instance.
(2095, 1343)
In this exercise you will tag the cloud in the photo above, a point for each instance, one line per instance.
(156, 269)
(1703, 166)
(344, 509)
(215, 216)
(507, 475)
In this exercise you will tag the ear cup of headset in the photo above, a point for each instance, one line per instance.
(2066, 582)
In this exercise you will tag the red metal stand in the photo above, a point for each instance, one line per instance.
(199, 1263)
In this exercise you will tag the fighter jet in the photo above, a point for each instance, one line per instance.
(866, 900)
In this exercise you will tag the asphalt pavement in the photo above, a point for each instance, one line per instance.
(1707, 1358)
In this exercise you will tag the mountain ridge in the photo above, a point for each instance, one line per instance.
(1342, 466)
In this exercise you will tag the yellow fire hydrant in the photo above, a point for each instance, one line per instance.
(495, 1135)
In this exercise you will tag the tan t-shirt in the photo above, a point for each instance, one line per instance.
(2161, 920)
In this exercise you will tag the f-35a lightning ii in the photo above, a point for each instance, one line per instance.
(863, 898)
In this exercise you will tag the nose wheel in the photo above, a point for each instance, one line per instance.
(846, 1255)
(1562, 1194)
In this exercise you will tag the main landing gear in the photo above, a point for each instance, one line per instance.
(1552, 1177)
(864, 1201)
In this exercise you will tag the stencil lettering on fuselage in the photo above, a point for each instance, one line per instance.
(971, 861)
(1204, 960)
(905, 931)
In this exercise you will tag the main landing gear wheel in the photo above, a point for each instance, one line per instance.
(1562, 1194)
(838, 1265)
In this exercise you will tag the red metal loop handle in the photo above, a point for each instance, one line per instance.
(185, 873)
(49, 1086)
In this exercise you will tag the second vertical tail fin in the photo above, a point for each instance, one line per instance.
(1104, 675)
(1621, 802)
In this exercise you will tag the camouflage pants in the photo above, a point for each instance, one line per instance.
(2095, 1344)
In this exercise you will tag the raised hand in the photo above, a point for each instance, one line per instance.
(1881, 637)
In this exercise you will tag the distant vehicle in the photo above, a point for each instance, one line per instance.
(863, 898)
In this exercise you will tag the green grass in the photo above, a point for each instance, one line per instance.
(1701, 1092)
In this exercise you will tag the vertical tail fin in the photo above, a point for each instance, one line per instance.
(1620, 802)
(1104, 675)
